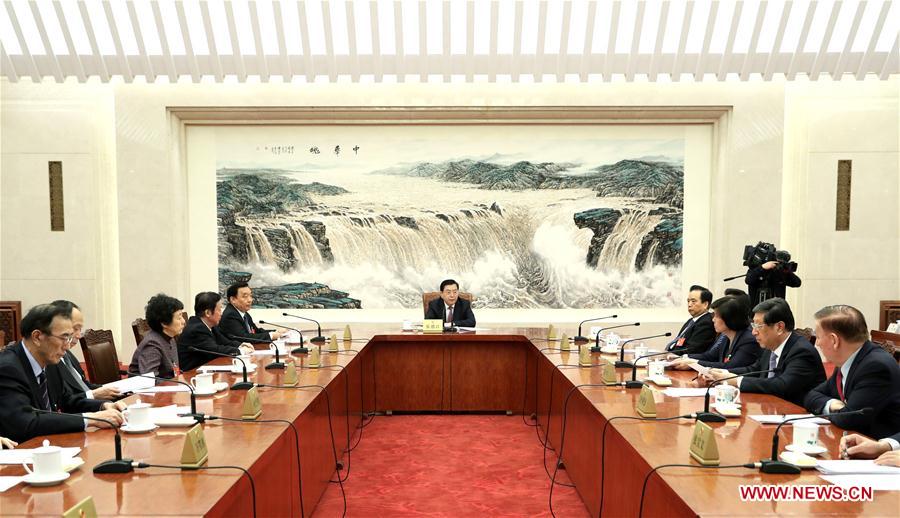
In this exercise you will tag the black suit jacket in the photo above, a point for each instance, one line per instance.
(873, 381)
(67, 375)
(19, 388)
(799, 369)
(779, 280)
(232, 324)
(741, 352)
(462, 312)
(698, 338)
(196, 334)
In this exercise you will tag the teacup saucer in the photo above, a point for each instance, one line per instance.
(808, 450)
(729, 410)
(609, 350)
(127, 428)
(45, 480)
(217, 387)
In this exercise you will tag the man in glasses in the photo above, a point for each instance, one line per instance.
(70, 372)
(25, 383)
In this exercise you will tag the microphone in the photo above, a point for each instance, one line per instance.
(634, 383)
(199, 417)
(713, 417)
(318, 340)
(774, 465)
(295, 350)
(117, 465)
(238, 385)
(277, 364)
(621, 363)
(596, 347)
(580, 338)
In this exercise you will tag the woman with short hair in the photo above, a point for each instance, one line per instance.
(157, 352)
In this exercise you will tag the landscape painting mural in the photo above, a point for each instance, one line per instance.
(523, 217)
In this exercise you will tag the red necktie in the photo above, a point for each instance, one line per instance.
(840, 389)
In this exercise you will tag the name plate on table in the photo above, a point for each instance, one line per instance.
(609, 374)
(432, 325)
(83, 509)
(194, 453)
(564, 342)
(347, 334)
(646, 406)
(332, 343)
(584, 355)
(703, 445)
(290, 374)
(551, 332)
(252, 405)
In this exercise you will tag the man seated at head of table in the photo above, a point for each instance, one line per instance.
(735, 347)
(886, 452)
(70, 368)
(453, 310)
(202, 332)
(157, 353)
(865, 375)
(24, 381)
(697, 334)
(795, 363)
(236, 321)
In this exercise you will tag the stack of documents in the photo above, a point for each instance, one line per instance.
(860, 473)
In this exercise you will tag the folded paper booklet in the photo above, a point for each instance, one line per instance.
(780, 418)
(699, 368)
(854, 467)
(24, 455)
(132, 384)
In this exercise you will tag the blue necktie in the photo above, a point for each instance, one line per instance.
(773, 362)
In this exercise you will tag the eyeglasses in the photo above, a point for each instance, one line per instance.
(68, 339)
(756, 326)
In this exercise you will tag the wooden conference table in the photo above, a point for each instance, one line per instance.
(508, 369)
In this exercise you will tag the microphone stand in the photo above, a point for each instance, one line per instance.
(238, 385)
(295, 350)
(634, 383)
(774, 465)
(621, 363)
(596, 347)
(198, 417)
(117, 465)
(319, 339)
(579, 338)
(714, 417)
(726, 279)
(277, 364)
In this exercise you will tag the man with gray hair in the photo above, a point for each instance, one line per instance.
(865, 376)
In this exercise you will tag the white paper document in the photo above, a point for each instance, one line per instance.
(8, 482)
(779, 418)
(163, 388)
(699, 368)
(132, 384)
(217, 368)
(859, 467)
(876, 482)
(461, 328)
(685, 392)
(24, 454)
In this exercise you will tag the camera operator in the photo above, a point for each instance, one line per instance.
(770, 272)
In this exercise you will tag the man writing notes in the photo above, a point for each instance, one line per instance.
(886, 452)
(697, 334)
(237, 322)
(796, 365)
(864, 375)
(453, 310)
(24, 381)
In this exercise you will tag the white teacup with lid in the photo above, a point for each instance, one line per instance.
(47, 462)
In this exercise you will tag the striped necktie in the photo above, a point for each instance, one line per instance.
(44, 393)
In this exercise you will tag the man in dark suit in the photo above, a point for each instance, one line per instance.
(25, 382)
(865, 376)
(202, 332)
(236, 321)
(796, 363)
(453, 310)
(697, 333)
(69, 367)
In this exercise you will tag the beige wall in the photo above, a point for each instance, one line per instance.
(777, 143)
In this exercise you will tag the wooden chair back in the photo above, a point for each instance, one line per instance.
(11, 320)
(100, 356)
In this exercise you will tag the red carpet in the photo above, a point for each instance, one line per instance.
(449, 465)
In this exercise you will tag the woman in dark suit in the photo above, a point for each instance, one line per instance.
(735, 347)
